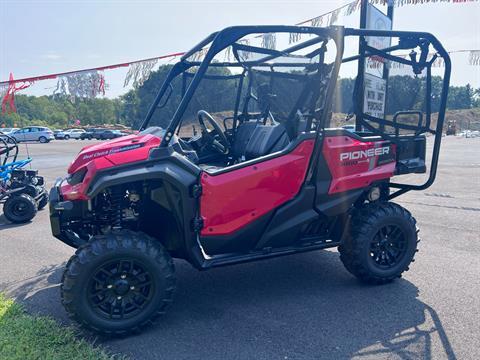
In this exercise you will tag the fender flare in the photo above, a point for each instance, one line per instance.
(177, 173)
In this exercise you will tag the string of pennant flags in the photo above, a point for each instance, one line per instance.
(376, 63)
(90, 83)
(87, 83)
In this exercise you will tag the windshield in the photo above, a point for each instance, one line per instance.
(258, 75)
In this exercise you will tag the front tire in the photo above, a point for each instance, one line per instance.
(67, 137)
(43, 139)
(20, 209)
(381, 243)
(119, 283)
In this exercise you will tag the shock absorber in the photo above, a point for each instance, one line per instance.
(116, 198)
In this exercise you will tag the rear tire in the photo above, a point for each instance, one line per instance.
(20, 209)
(119, 283)
(43, 201)
(381, 244)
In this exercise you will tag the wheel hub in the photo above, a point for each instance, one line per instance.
(121, 287)
(388, 247)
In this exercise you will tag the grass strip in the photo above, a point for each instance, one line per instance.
(24, 336)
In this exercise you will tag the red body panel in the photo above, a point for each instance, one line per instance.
(354, 164)
(107, 154)
(232, 200)
(119, 151)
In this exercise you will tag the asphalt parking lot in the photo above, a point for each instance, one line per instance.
(299, 307)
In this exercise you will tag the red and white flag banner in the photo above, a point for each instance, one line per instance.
(474, 58)
(84, 84)
(139, 72)
(399, 3)
(8, 94)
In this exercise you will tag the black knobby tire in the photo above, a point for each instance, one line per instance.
(381, 244)
(96, 291)
(43, 201)
(20, 209)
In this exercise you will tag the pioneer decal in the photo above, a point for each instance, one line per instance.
(112, 151)
(364, 154)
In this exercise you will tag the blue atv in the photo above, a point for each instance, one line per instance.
(22, 191)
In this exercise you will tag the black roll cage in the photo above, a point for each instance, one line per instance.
(218, 41)
(8, 149)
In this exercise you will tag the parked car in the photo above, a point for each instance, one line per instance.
(109, 134)
(4, 137)
(470, 134)
(33, 133)
(69, 133)
(56, 132)
(8, 131)
(90, 134)
(350, 128)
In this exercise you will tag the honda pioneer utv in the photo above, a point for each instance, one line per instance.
(237, 161)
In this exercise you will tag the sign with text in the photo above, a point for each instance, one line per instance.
(374, 96)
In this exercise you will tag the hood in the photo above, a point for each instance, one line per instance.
(116, 152)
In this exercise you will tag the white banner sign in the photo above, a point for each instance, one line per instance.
(377, 20)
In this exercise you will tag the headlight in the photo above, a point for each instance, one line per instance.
(77, 177)
(34, 180)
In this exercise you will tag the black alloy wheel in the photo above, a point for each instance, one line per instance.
(120, 289)
(388, 246)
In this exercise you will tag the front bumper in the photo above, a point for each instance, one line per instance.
(61, 214)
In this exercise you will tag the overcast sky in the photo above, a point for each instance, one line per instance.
(41, 37)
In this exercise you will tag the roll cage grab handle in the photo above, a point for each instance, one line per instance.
(407, 40)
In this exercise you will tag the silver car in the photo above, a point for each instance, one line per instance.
(8, 131)
(33, 133)
(70, 133)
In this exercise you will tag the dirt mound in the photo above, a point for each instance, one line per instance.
(466, 119)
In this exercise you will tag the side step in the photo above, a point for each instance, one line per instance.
(229, 259)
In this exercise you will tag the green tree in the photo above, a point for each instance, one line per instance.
(460, 97)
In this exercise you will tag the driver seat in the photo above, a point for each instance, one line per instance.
(263, 140)
(266, 139)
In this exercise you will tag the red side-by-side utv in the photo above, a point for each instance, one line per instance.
(265, 176)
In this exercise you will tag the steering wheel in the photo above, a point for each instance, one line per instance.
(222, 145)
